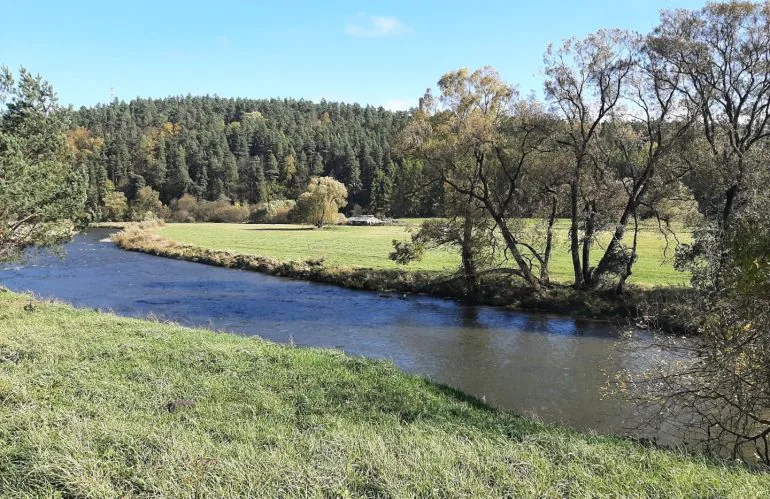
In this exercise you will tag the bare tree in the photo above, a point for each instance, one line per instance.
(715, 387)
(585, 84)
(644, 153)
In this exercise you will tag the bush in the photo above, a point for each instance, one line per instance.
(184, 208)
(148, 206)
(228, 213)
(189, 209)
(273, 212)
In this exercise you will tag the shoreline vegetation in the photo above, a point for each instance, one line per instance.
(92, 404)
(658, 306)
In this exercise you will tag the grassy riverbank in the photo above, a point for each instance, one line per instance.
(368, 247)
(101, 406)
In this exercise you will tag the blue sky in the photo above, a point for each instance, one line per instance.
(380, 53)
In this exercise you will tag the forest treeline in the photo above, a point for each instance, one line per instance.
(246, 151)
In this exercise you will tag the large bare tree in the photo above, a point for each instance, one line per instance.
(585, 80)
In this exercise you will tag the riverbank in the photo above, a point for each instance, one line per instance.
(97, 405)
(660, 307)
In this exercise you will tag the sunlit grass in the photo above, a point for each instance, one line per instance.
(84, 412)
(369, 247)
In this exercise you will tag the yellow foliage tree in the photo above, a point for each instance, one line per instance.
(321, 203)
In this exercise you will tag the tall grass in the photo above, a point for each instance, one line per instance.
(93, 405)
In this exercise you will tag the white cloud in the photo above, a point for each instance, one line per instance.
(399, 104)
(377, 26)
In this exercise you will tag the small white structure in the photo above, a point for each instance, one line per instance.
(364, 220)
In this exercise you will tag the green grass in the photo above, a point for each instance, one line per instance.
(83, 413)
(369, 247)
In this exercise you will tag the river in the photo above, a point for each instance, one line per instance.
(547, 366)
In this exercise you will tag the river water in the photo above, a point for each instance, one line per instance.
(551, 367)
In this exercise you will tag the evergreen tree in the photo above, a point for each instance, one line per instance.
(351, 171)
(272, 171)
(382, 190)
(295, 140)
(178, 182)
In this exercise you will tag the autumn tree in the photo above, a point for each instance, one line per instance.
(720, 56)
(147, 204)
(114, 204)
(320, 204)
(479, 139)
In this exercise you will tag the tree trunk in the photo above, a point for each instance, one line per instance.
(630, 262)
(513, 247)
(469, 266)
(574, 233)
(620, 229)
(588, 241)
(545, 277)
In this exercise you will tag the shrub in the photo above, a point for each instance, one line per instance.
(147, 205)
(184, 208)
(189, 209)
(273, 212)
(228, 213)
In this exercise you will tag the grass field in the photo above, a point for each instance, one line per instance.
(93, 405)
(369, 247)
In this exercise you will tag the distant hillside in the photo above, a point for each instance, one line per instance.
(244, 149)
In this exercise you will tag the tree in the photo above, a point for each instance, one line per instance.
(640, 156)
(585, 84)
(321, 202)
(351, 170)
(147, 204)
(716, 390)
(480, 143)
(382, 189)
(43, 190)
(721, 57)
(473, 235)
(178, 182)
(254, 182)
(115, 204)
(288, 169)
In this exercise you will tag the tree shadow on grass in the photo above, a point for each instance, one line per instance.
(282, 229)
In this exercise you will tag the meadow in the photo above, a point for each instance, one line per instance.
(95, 405)
(368, 247)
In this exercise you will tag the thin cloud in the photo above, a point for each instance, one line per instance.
(377, 26)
